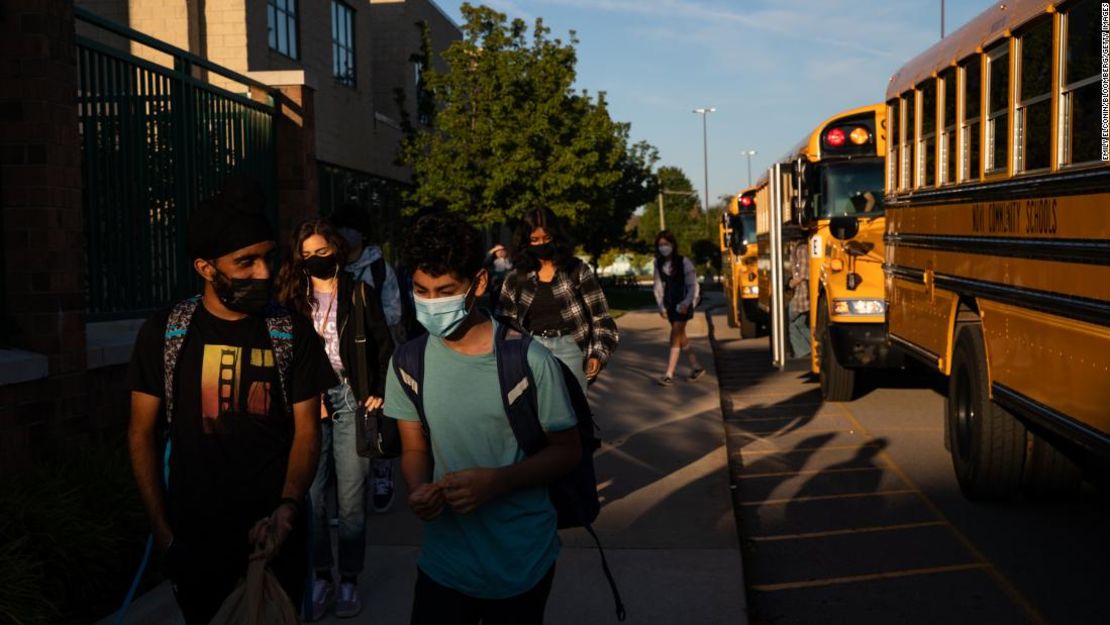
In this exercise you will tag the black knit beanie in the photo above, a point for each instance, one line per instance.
(230, 220)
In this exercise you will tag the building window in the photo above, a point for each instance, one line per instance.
(971, 159)
(948, 129)
(281, 18)
(927, 146)
(998, 108)
(1081, 108)
(1034, 97)
(343, 43)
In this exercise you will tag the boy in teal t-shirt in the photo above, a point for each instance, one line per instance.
(490, 541)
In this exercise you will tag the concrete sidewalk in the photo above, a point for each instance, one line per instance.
(667, 521)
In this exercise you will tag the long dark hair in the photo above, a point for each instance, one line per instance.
(668, 236)
(541, 218)
(293, 287)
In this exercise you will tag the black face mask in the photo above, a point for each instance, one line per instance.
(545, 251)
(249, 296)
(321, 267)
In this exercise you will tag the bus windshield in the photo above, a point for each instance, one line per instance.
(851, 189)
(743, 229)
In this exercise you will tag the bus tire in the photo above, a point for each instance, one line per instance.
(986, 442)
(749, 329)
(1048, 471)
(838, 383)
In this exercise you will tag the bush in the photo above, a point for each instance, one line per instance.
(71, 535)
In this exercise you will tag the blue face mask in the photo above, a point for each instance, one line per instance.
(442, 316)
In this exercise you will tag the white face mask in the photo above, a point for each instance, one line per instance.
(665, 250)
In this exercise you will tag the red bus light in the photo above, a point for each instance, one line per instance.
(835, 138)
(745, 201)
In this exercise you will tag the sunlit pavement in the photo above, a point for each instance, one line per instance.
(850, 513)
(667, 521)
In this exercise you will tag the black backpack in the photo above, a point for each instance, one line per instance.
(574, 495)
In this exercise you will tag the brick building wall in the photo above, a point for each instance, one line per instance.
(40, 196)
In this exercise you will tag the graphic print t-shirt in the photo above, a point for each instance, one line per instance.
(323, 317)
(231, 431)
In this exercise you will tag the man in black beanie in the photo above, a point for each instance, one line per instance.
(234, 384)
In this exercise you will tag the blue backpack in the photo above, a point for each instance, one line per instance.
(573, 495)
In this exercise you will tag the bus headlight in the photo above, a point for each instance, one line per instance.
(859, 307)
(751, 290)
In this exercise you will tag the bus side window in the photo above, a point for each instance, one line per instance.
(1081, 110)
(927, 146)
(998, 108)
(909, 136)
(1034, 110)
(895, 120)
(971, 155)
(948, 136)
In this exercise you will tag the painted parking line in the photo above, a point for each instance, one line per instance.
(871, 577)
(1004, 584)
(790, 500)
(801, 450)
(803, 473)
(846, 532)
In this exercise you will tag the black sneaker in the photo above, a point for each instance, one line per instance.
(665, 381)
(695, 374)
(383, 485)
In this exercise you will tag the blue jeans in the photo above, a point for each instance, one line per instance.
(566, 349)
(799, 334)
(337, 442)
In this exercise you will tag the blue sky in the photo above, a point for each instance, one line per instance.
(773, 69)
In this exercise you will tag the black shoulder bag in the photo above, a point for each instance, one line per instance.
(376, 435)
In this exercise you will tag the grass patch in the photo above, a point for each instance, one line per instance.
(72, 532)
(624, 299)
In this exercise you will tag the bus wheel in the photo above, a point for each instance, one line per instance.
(1049, 472)
(987, 442)
(838, 383)
(748, 327)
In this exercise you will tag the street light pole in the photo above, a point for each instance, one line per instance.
(942, 19)
(704, 112)
(749, 154)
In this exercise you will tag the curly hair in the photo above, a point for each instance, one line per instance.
(292, 283)
(440, 244)
(541, 218)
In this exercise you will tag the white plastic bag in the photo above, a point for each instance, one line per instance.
(259, 600)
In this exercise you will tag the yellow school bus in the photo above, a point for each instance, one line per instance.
(740, 253)
(835, 192)
(998, 241)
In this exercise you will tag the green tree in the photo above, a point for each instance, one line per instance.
(681, 210)
(509, 133)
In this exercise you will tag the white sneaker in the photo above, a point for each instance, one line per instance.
(383, 485)
(323, 596)
(349, 604)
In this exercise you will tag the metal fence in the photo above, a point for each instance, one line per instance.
(156, 141)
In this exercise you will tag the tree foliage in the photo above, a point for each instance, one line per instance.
(509, 133)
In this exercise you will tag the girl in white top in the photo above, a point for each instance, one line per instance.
(677, 292)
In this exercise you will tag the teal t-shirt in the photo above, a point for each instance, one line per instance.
(506, 546)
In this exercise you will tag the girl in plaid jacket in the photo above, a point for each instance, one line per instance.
(556, 298)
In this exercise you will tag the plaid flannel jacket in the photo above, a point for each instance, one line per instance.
(582, 302)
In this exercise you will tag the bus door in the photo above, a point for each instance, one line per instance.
(778, 279)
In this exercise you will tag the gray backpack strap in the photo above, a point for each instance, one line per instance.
(177, 327)
(280, 324)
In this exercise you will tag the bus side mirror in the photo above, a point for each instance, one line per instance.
(843, 228)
